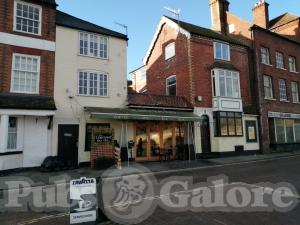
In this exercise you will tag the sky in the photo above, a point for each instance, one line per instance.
(142, 16)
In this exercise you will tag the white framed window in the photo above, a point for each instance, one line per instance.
(226, 83)
(295, 93)
(282, 90)
(27, 17)
(279, 60)
(268, 87)
(171, 86)
(265, 55)
(25, 74)
(292, 64)
(12, 133)
(93, 45)
(91, 83)
(170, 51)
(222, 51)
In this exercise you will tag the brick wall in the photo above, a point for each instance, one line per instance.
(288, 49)
(47, 63)
(191, 65)
(203, 58)
(48, 20)
(47, 68)
(290, 30)
(241, 26)
(99, 149)
(158, 69)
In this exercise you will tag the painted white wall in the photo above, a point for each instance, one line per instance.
(224, 144)
(67, 64)
(8, 162)
(35, 141)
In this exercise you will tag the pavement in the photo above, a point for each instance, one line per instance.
(44, 179)
(249, 170)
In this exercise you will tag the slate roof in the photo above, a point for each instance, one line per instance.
(156, 101)
(29, 102)
(281, 20)
(50, 2)
(66, 20)
(197, 30)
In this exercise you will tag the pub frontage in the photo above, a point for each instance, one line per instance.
(150, 128)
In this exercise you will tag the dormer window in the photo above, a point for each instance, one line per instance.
(170, 51)
(27, 18)
(221, 51)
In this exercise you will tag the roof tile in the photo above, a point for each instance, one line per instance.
(155, 101)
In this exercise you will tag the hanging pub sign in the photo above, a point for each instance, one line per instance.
(83, 199)
(103, 137)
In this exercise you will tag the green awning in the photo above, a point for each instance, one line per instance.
(136, 114)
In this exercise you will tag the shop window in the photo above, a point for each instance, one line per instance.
(12, 134)
(297, 130)
(251, 131)
(88, 134)
(228, 124)
(289, 128)
(285, 131)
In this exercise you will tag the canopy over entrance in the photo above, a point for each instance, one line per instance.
(139, 114)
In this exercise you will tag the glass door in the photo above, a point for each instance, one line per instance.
(154, 135)
(141, 142)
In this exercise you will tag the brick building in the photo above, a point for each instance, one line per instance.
(277, 52)
(27, 57)
(214, 72)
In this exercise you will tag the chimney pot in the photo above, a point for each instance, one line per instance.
(219, 9)
(261, 14)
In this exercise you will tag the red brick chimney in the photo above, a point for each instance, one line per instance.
(218, 9)
(261, 14)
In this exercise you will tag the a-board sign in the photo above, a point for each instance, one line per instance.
(83, 199)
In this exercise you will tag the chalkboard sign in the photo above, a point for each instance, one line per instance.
(103, 137)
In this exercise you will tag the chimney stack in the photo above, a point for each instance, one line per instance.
(218, 10)
(261, 14)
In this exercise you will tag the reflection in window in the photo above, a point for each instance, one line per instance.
(171, 86)
(228, 124)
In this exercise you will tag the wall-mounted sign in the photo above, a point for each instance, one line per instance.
(251, 131)
(103, 137)
(83, 198)
(283, 115)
